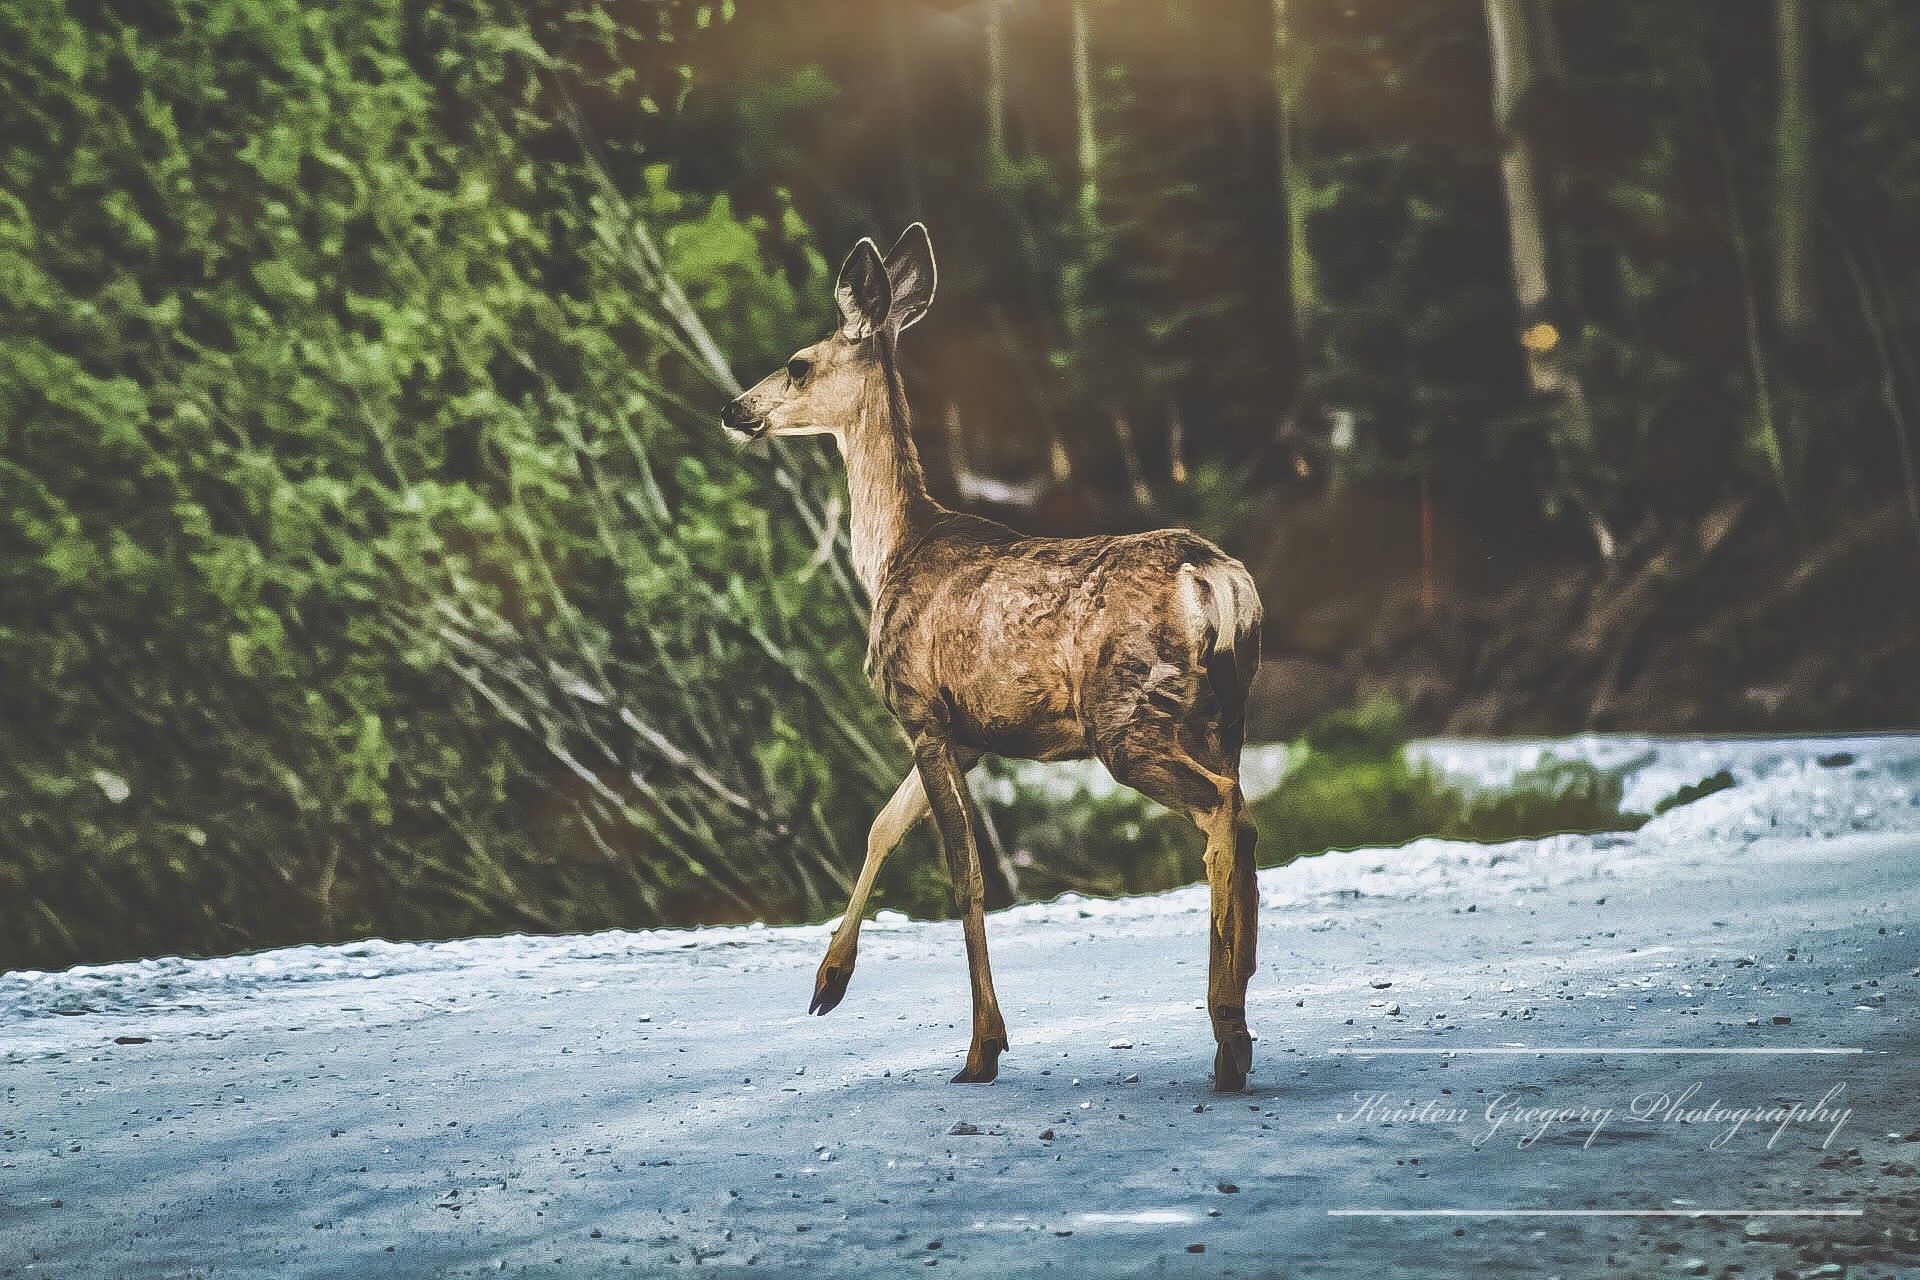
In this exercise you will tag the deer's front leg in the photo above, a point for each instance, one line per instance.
(946, 789)
(908, 805)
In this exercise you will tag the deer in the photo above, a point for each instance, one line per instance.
(1133, 649)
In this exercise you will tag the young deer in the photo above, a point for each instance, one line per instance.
(1136, 649)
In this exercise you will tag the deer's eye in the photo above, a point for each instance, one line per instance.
(798, 369)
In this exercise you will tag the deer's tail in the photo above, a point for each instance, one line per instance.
(1231, 605)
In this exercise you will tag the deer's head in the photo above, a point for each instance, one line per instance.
(820, 389)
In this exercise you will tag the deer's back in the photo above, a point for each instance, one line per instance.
(1020, 646)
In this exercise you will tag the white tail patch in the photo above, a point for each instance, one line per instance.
(1230, 606)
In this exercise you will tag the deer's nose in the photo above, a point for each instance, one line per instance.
(736, 417)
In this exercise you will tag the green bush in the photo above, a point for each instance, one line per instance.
(1353, 786)
(371, 560)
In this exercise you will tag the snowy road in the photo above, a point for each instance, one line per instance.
(659, 1101)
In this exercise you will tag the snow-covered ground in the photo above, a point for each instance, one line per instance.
(660, 1101)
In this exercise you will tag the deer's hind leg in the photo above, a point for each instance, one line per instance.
(1184, 773)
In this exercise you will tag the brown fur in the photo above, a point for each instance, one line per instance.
(1136, 650)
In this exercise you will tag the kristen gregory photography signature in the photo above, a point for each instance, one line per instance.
(1527, 1120)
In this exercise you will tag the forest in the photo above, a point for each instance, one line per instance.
(372, 562)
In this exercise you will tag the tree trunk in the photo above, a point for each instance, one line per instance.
(997, 83)
(1526, 228)
(1288, 78)
(1793, 176)
(1088, 149)
(1540, 339)
(1176, 443)
(1130, 458)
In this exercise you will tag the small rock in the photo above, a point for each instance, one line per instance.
(1196, 1248)
(1229, 1189)
(1695, 1266)
(1756, 1230)
(1133, 1077)
(1119, 1044)
(1781, 1019)
(1380, 984)
(1393, 1010)
(130, 1040)
(1046, 1135)
(961, 1129)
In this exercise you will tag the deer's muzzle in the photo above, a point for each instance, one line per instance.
(740, 420)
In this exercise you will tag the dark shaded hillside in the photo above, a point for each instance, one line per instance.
(1736, 624)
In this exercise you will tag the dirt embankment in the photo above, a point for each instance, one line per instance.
(1740, 623)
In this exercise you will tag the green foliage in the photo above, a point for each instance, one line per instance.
(1374, 730)
(1411, 327)
(1352, 787)
(371, 562)
(1654, 131)
(1553, 796)
(1175, 285)
(1100, 841)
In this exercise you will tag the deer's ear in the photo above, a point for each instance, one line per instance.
(863, 292)
(910, 268)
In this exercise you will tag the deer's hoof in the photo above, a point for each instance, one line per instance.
(1226, 1079)
(829, 988)
(1231, 1062)
(983, 1064)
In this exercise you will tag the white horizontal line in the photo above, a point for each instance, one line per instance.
(1523, 1050)
(1596, 1213)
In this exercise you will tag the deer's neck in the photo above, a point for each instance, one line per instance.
(886, 489)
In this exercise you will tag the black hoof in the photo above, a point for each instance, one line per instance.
(1232, 1060)
(983, 1065)
(829, 988)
